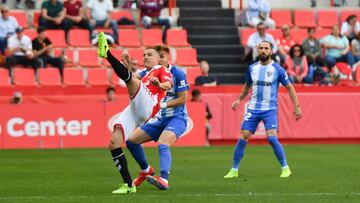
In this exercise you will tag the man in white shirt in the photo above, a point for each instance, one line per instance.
(20, 51)
(100, 15)
(8, 24)
(259, 11)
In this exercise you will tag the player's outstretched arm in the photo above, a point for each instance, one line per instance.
(163, 85)
(243, 94)
(181, 100)
(294, 99)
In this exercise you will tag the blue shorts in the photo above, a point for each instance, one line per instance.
(253, 117)
(155, 126)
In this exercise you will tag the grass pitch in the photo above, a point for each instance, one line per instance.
(321, 173)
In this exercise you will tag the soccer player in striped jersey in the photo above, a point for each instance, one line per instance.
(263, 77)
(165, 128)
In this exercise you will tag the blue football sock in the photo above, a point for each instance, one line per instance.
(165, 160)
(278, 150)
(239, 152)
(138, 153)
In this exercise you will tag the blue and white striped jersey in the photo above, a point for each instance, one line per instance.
(265, 83)
(179, 85)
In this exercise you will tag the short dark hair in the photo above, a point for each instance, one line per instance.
(195, 92)
(109, 89)
(159, 48)
(350, 17)
(292, 50)
(310, 29)
(40, 30)
(261, 23)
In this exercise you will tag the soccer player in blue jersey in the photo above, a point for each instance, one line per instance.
(263, 77)
(165, 128)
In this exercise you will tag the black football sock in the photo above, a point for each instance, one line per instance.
(121, 164)
(120, 70)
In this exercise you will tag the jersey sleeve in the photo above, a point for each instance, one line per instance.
(181, 81)
(165, 75)
(283, 77)
(248, 79)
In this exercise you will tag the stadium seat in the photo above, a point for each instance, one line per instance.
(282, 17)
(357, 74)
(30, 33)
(192, 73)
(115, 52)
(49, 77)
(299, 35)
(129, 38)
(79, 38)
(98, 77)
(304, 18)
(245, 34)
(327, 18)
(138, 54)
(21, 17)
(24, 77)
(275, 33)
(73, 77)
(346, 13)
(186, 57)
(322, 32)
(70, 55)
(88, 58)
(115, 80)
(57, 37)
(117, 15)
(36, 17)
(177, 38)
(151, 37)
(4, 77)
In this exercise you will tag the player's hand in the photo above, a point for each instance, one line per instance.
(155, 81)
(125, 58)
(235, 104)
(297, 113)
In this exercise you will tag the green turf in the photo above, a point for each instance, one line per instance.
(328, 173)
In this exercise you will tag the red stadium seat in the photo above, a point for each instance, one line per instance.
(49, 77)
(115, 80)
(346, 13)
(57, 37)
(275, 33)
(245, 34)
(31, 33)
(357, 74)
(129, 38)
(79, 38)
(115, 52)
(4, 77)
(327, 18)
(319, 33)
(98, 77)
(70, 55)
(73, 77)
(151, 37)
(117, 15)
(137, 54)
(192, 73)
(88, 58)
(177, 38)
(299, 35)
(24, 77)
(186, 57)
(21, 17)
(282, 17)
(304, 18)
(36, 18)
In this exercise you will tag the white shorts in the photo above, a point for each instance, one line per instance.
(137, 112)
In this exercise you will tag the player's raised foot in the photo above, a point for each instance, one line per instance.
(103, 46)
(232, 174)
(142, 176)
(158, 182)
(124, 189)
(285, 172)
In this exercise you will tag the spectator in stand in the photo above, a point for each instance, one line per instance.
(150, 14)
(8, 24)
(110, 94)
(205, 79)
(17, 4)
(259, 36)
(100, 16)
(20, 51)
(53, 16)
(42, 47)
(297, 66)
(17, 98)
(355, 46)
(76, 16)
(351, 27)
(196, 97)
(337, 49)
(285, 42)
(259, 11)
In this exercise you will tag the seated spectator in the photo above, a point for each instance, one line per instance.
(17, 98)
(53, 16)
(196, 97)
(76, 16)
(42, 47)
(100, 16)
(8, 24)
(337, 49)
(351, 27)
(297, 66)
(355, 46)
(285, 42)
(259, 36)
(259, 11)
(205, 79)
(110, 94)
(20, 51)
(17, 4)
(150, 15)
(312, 49)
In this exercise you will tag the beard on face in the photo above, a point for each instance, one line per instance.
(264, 57)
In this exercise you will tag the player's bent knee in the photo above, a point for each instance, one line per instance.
(271, 133)
(245, 134)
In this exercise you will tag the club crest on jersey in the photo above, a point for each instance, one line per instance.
(269, 73)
